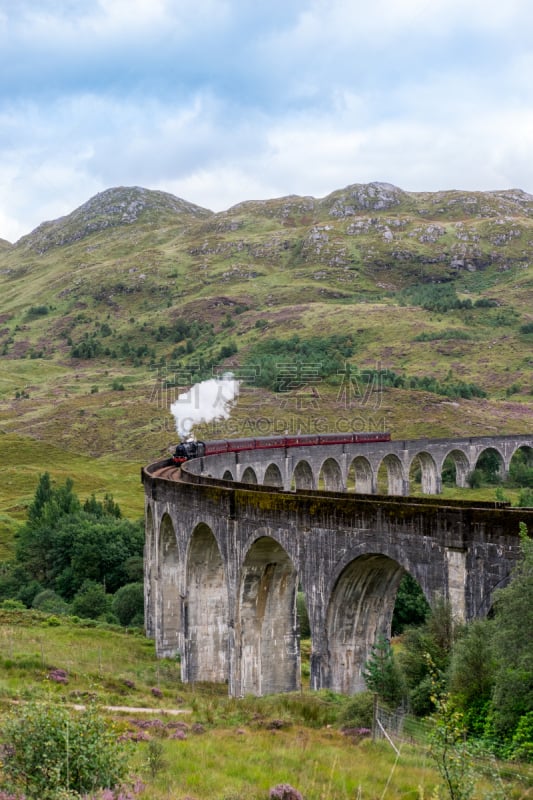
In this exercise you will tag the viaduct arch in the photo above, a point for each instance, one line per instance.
(228, 544)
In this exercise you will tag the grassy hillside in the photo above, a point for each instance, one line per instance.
(108, 313)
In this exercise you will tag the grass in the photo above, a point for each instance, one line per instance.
(98, 660)
(234, 749)
(319, 764)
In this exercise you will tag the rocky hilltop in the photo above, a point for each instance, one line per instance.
(111, 209)
(375, 227)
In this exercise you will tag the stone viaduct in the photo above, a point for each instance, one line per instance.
(231, 538)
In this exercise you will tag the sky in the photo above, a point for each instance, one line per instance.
(221, 101)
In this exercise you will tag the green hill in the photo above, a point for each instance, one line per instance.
(110, 311)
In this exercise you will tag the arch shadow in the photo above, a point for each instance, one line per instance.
(267, 627)
(206, 611)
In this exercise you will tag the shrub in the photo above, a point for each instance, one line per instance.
(448, 333)
(359, 711)
(12, 605)
(37, 311)
(87, 348)
(128, 604)
(49, 752)
(434, 639)
(522, 743)
(50, 602)
(471, 674)
(449, 750)
(475, 479)
(525, 498)
(91, 601)
(227, 350)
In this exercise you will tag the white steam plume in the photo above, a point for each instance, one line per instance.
(204, 402)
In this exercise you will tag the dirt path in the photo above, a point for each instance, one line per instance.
(138, 710)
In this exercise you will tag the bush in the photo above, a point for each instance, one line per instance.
(472, 672)
(49, 752)
(87, 348)
(525, 498)
(12, 605)
(521, 468)
(91, 601)
(37, 311)
(475, 479)
(128, 604)
(522, 743)
(50, 602)
(433, 639)
(359, 711)
(421, 700)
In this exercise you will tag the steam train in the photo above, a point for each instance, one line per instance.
(193, 449)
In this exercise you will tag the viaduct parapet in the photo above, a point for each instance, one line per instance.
(231, 538)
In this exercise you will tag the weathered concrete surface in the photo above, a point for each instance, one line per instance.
(355, 467)
(223, 562)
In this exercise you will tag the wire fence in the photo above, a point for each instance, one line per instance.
(398, 726)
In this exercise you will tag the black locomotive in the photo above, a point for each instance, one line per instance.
(186, 450)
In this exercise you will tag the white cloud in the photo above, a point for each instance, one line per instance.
(221, 101)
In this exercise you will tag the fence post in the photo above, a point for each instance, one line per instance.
(374, 716)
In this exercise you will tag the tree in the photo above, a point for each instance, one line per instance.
(100, 550)
(513, 645)
(472, 673)
(97, 509)
(303, 617)
(35, 550)
(382, 675)
(434, 639)
(43, 494)
(521, 468)
(411, 607)
(490, 463)
(62, 545)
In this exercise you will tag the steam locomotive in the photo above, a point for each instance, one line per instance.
(193, 449)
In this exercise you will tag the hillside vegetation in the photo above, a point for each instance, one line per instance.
(108, 313)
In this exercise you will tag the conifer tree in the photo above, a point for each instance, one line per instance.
(382, 674)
